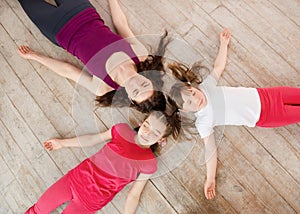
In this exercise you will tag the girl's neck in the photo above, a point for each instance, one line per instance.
(136, 140)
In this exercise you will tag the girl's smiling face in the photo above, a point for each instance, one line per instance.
(151, 131)
(193, 99)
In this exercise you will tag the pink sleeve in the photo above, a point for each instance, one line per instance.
(149, 166)
(119, 129)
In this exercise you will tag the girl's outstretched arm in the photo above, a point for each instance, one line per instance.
(65, 69)
(81, 141)
(211, 166)
(220, 61)
(135, 193)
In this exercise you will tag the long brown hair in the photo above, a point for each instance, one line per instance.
(153, 69)
(186, 77)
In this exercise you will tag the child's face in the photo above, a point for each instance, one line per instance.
(193, 100)
(151, 131)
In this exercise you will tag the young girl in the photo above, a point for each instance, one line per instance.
(112, 61)
(215, 105)
(126, 158)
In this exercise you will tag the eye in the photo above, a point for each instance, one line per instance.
(194, 93)
(145, 84)
(135, 92)
(146, 125)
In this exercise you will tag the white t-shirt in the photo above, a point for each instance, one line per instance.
(226, 106)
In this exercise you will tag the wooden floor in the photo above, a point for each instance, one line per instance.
(258, 169)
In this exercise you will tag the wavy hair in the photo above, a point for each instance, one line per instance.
(153, 69)
(187, 79)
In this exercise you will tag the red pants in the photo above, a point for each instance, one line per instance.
(280, 106)
(59, 193)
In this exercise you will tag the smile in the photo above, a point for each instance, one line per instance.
(143, 138)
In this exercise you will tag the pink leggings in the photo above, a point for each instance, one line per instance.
(280, 106)
(56, 195)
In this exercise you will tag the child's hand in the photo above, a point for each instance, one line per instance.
(210, 189)
(225, 36)
(53, 144)
(26, 53)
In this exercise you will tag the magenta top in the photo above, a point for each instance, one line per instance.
(99, 178)
(90, 40)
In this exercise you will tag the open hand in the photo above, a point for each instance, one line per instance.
(210, 189)
(53, 144)
(225, 36)
(26, 53)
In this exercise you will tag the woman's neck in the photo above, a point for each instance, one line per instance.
(124, 73)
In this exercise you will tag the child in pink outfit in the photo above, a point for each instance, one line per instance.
(95, 181)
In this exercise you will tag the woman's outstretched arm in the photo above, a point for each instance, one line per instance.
(211, 166)
(119, 19)
(134, 194)
(121, 24)
(81, 141)
(67, 70)
(221, 59)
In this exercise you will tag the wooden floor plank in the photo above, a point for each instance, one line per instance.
(266, 165)
(273, 28)
(32, 80)
(32, 114)
(271, 61)
(17, 202)
(4, 208)
(289, 8)
(20, 161)
(242, 169)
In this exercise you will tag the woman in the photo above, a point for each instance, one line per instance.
(95, 181)
(112, 61)
(215, 105)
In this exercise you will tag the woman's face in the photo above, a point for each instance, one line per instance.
(151, 131)
(193, 100)
(139, 88)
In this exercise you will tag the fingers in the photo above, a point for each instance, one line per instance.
(212, 193)
(209, 191)
(20, 50)
(24, 49)
(48, 145)
(206, 193)
(226, 33)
